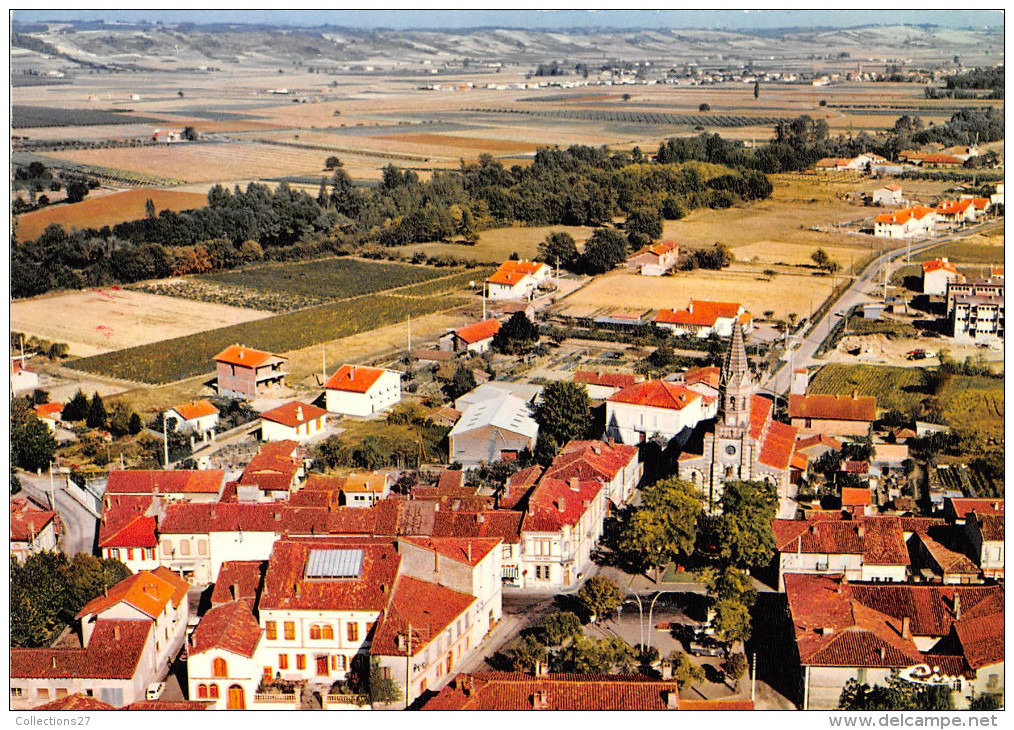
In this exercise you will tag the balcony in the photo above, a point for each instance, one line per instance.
(345, 702)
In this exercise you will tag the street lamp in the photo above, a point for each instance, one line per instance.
(651, 610)
(640, 609)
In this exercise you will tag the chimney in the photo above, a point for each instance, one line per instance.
(105, 591)
(574, 484)
(539, 701)
(672, 700)
(855, 393)
(299, 413)
(296, 589)
(52, 663)
(906, 628)
(467, 686)
(116, 634)
(541, 668)
(561, 505)
(480, 518)
(860, 530)
(234, 591)
(957, 606)
(597, 448)
(399, 641)
(469, 551)
(383, 587)
(666, 668)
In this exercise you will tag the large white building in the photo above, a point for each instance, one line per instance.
(655, 408)
(517, 279)
(914, 222)
(356, 390)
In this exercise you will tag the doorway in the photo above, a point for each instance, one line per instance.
(236, 699)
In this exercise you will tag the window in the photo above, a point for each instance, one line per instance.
(202, 691)
(422, 685)
(202, 547)
(167, 547)
(149, 553)
(300, 661)
(42, 693)
(290, 630)
(385, 672)
(271, 629)
(508, 551)
(327, 632)
(352, 631)
(90, 692)
(219, 668)
(130, 553)
(283, 661)
(114, 553)
(184, 547)
(17, 692)
(267, 674)
(338, 662)
(315, 633)
(213, 691)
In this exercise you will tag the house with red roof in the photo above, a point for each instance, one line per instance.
(517, 279)
(888, 195)
(956, 211)
(293, 421)
(244, 372)
(933, 634)
(198, 417)
(175, 485)
(601, 385)
(273, 474)
(365, 489)
(474, 338)
(563, 523)
(703, 318)
(936, 274)
(832, 415)
(357, 390)
(941, 159)
(49, 414)
(985, 535)
(615, 465)
(222, 662)
(642, 411)
(33, 528)
(127, 529)
(863, 548)
(957, 509)
(909, 222)
(655, 259)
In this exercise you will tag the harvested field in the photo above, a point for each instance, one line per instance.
(107, 210)
(205, 162)
(798, 254)
(474, 144)
(785, 292)
(497, 244)
(100, 320)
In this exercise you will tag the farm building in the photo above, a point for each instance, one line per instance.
(937, 274)
(517, 279)
(703, 318)
(199, 417)
(832, 415)
(474, 338)
(656, 259)
(492, 429)
(247, 373)
(854, 164)
(743, 441)
(888, 195)
(356, 390)
(293, 421)
(941, 159)
(167, 136)
(905, 223)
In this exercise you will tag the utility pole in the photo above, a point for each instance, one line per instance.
(753, 680)
(323, 363)
(483, 301)
(165, 442)
(52, 488)
(410, 334)
(408, 670)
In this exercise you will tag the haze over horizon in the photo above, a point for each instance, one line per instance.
(736, 20)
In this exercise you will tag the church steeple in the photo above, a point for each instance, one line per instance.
(736, 386)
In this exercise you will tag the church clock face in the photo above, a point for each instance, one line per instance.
(730, 450)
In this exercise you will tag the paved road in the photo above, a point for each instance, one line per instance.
(79, 526)
(778, 383)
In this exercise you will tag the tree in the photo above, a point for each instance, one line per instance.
(462, 382)
(15, 481)
(898, 694)
(77, 189)
(190, 134)
(729, 583)
(39, 397)
(135, 426)
(559, 248)
(735, 666)
(588, 656)
(32, 443)
(820, 258)
(560, 627)
(76, 408)
(383, 690)
(332, 163)
(732, 621)
(517, 335)
(604, 250)
(664, 528)
(704, 108)
(626, 97)
(643, 226)
(756, 89)
(987, 701)
(96, 416)
(744, 530)
(684, 670)
(600, 596)
(524, 653)
(119, 420)
(565, 412)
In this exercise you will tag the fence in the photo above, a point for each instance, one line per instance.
(346, 702)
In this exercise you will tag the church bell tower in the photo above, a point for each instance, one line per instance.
(736, 386)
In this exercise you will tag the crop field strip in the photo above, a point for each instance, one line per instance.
(591, 115)
(23, 117)
(168, 361)
(893, 387)
(109, 174)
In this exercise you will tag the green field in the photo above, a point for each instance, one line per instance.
(975, 403)
(184, 357)
(893, 387)
(337, 278)
(43, 116)
(964, 253)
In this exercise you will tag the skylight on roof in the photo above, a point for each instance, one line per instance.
(334, 564)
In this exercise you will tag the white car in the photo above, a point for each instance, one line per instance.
(155, 690)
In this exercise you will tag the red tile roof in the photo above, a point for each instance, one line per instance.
(505, 524)
(729, 705)
(124, 522)
(294, 414)
(982, 640)
(49, 410)
(285, 586)
(818, 439)
(991, 527)
(658, 249)
(197, 409)
(591, 460)
(354, 378)
(479, 331)
(238, 580)
(468, 550)
(114, 652)
(201, 518)
(426, 608)
(900, 217)
(511, 272)
(27, 519)
(555, 503)
(147, 591)
(856, 467)
(569, 692)
(362, 482)
(711, 375)
(855, 496)
(272, 470)
(228, 627)
(701, 313)
(656, 394)
(880, 540)
(244, 356)
(179, 481)
(941, 158)
(939, 265)
(519, 486)
(980, 505)
(778, 445)
(760, 415)
(77, 702)
(833, 407)
(611, 380)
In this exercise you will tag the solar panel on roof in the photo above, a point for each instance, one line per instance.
(334, 564)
